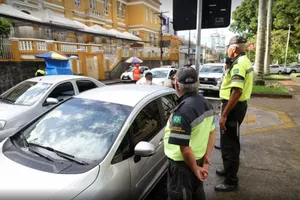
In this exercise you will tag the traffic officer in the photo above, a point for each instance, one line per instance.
(228, 63)
(235, 91)
(189, 139)
(40, 72)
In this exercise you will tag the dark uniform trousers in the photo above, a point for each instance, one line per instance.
(182, 182)
(230, 141)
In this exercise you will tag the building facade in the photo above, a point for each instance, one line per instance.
(138, 17)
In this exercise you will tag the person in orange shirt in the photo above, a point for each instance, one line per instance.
(137, 72)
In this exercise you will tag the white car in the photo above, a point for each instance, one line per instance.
(211, 76)
(162, 76)
(127, 76)
(32, 97)
(93, 146)
(276, 69)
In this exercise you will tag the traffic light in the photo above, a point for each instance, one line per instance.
(215, 14)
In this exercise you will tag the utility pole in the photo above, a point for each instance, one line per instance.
(198, 42)
(268, 37)
(161, 36)
(287, 45)
(189, 53)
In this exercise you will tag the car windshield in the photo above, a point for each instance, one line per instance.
(83, 128)
(26, 93)
(160, 73)
(212, 69)
(130, 69)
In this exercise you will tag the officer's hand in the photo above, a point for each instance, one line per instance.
(201, 173)
(222, 123)
(206, 163)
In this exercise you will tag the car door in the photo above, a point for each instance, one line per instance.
(60, 92)
(145, 171)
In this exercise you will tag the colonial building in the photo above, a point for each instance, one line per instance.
(139, 17)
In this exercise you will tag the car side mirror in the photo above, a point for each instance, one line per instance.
(50, 101)
(144, 149)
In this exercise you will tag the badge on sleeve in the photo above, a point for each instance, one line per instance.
(177, 120)
(235, 71)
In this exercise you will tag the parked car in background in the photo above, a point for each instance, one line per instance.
(276, 69)
(34, 96)
(163, 76)
(106, 143)
(127, 76)
(292, 69)
(211, 76)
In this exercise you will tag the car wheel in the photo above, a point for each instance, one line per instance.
(280, 72)
(293, 71)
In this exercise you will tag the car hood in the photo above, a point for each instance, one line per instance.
(126, 73)
(210, 75)
(21, 182)
(158, 81)
(8, 111)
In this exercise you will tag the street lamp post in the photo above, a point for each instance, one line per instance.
(287, 45)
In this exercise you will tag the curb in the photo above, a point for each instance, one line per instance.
(275, 96)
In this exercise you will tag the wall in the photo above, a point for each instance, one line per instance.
(12, 73)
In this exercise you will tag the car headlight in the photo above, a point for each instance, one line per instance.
(219, 80)
(2, 124)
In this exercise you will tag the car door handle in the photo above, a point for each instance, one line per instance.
(161, 141)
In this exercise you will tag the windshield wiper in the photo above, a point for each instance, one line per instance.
(60, 154)
(35, 151)
(7, 100)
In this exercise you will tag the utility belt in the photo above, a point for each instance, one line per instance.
(224, 101)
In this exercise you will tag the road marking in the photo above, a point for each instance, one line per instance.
(284, 118)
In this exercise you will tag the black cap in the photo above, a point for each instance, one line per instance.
(187, 75)
(237, 40)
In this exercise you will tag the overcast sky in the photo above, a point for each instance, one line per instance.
(167, 5)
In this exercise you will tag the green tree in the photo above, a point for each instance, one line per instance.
(245, 19)
(5, 27)
(284, 12)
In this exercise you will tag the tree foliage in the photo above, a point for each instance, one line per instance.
(5, 27)
(284, 12)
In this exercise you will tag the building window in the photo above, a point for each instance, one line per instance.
(123, 11)
(105, 7)
(151, 16)
(77, 3)
(92, 4)
(147, 13)
(118, 9)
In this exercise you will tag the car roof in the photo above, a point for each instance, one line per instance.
(56, 78)
(129, 95)
(162, 68)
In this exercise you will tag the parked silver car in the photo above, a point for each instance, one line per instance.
(276, 69)
(106, 143)
(292, 69)
(34, 96)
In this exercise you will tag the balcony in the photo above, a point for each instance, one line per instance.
(95, 13)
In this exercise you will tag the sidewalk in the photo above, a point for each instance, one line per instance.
(270, 149)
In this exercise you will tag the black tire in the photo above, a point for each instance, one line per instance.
(280, 72)
(293, 71)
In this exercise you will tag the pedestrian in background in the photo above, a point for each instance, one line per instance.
(41, 71)
(136, 72)
(147, 80)
(234, 93)
(189, 139)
